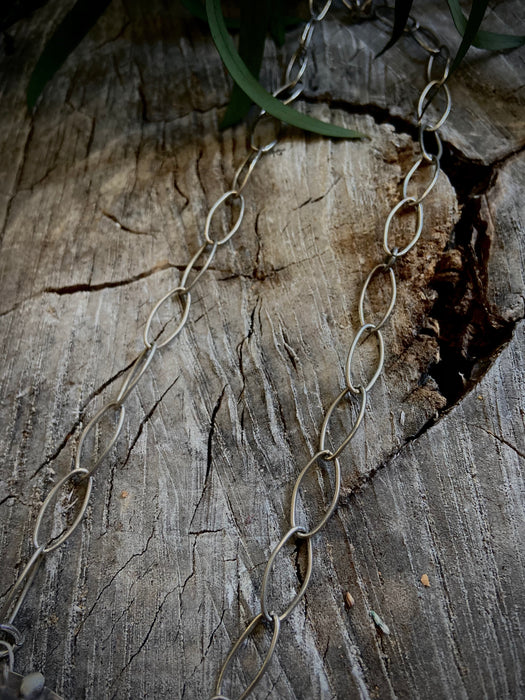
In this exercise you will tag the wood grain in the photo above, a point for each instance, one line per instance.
(105, 192)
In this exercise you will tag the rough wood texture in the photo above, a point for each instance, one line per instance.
(105, 192)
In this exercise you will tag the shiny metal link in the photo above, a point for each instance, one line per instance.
(288, 92)
(426, 38)
(21, 587)
(319, 14)
(112, 406)
(444, 53)
(79, 475)
(135, 373)
(298, 62)
(406, 202)
(191, 266)
(427, 155)
(231, 194)
(386, 269)
(258, 620)
(257, 142)
(295, 530)
(307, 33)
(334, 454)
(425, 101)
(245, 170)
(367, 330)
(182, 294)
(428, 189)
(301, 532)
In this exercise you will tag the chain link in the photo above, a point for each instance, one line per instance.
(294, 530)
(300, 531)
(135, 373)
(368, 330)
(358, 420)
(258, 620)
(387, 270)
(113, 406)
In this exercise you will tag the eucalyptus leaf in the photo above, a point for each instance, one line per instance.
(485, 40)
(241, 75)
(69, 33)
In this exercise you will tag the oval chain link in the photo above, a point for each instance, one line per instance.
(259, 619)
(231, 194)
(333, 454)
(17, 639)
(382, 267)
(113, 405)
(176, 291)
(135, 373)
(422, 106)
(301, 532)
(406, 202)
(294, 530)
(66, 534)
(428, 189)
(370, 330)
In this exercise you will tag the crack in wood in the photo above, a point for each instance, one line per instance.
(211, 432)
(110, 582)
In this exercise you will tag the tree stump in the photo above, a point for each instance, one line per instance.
(106, 191)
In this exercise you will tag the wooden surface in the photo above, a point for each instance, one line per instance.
(104, 195)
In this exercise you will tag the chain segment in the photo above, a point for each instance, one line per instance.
(65, 506)
(356, 390)
(81, 478)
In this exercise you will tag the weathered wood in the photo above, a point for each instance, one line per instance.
(106, 189)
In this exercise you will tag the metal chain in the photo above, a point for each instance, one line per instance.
(70, 496)
(66, 504)
(355, 390)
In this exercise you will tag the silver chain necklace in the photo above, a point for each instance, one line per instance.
(301, 532)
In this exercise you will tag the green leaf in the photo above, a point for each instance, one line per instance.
(472, 25)
(256, 92)
(401, 14)
(255, 18)
(70, 32)
(485, 40)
